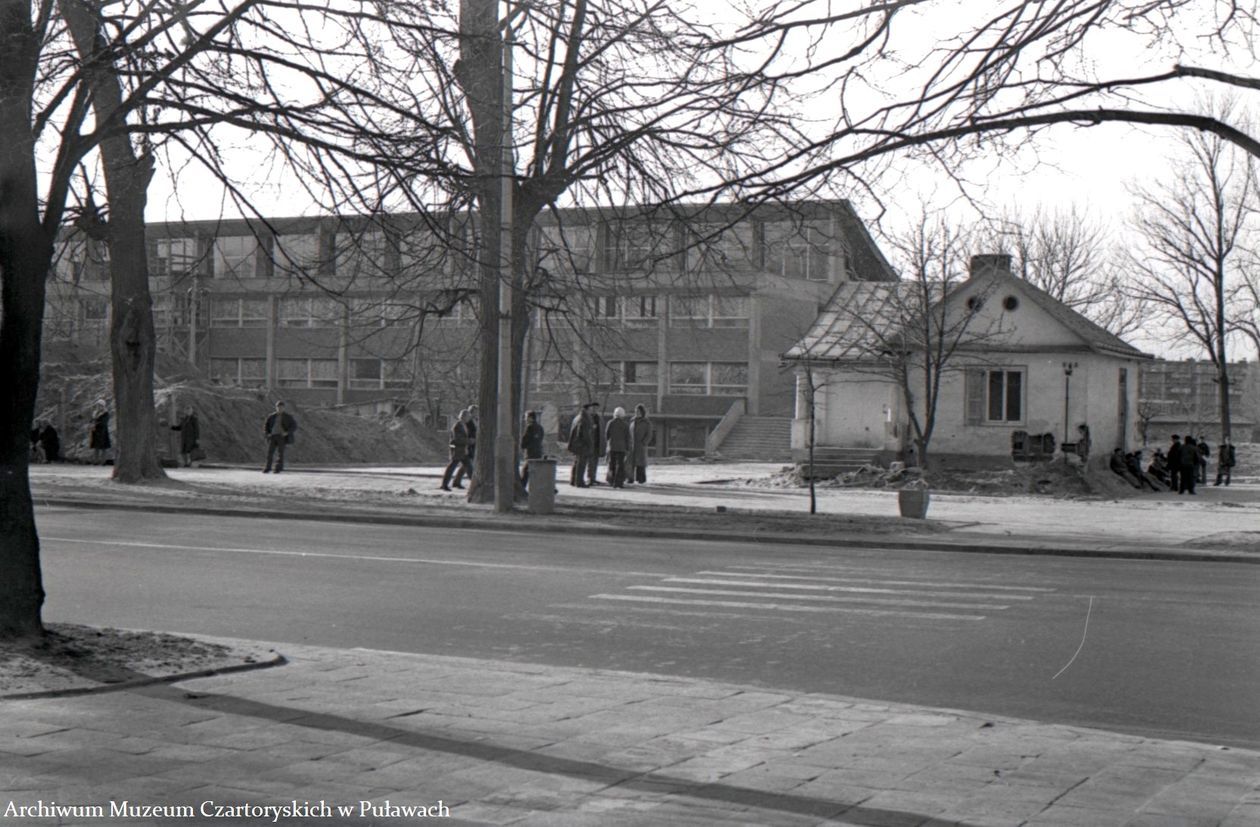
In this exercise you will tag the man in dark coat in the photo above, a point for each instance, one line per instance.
(1188, 464)
(597, 445)
(189, 435)
(460, 457)
(1205, 453)
(617, 438)
(1174, 464)
(471, 426)
(581, 444)
(278, 430)
(1226, 458)
(45, 436)
(532, 440)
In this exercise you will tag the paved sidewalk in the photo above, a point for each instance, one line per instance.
(506, 743)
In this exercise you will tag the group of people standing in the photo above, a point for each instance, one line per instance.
(1183, 466)
(624, 441)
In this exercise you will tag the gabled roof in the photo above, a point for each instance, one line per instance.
(859, 315)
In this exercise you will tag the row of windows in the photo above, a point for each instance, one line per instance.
(686, 378)
(795, 249)
(365, 374)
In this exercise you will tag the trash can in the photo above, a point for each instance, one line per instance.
(913, 502)
(542, 485)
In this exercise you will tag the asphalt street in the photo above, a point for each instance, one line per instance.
(1162, 649)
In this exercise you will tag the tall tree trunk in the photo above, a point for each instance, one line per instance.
(479, 71)
(132, 340)
(25, 256)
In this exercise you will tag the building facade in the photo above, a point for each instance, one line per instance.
(685, 313)
(1183, 397)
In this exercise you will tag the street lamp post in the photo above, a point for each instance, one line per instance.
(1068, 367)
(504, 445)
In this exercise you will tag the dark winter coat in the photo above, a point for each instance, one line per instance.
(581, 436)
(532, 441)
(1228, 456)
(1174, 455)
(597, 435)
(189, 433)
(98, 437)
(459, 441)
(287, 424)
(641, 433)
(617, 435)
(49, 441)
(1188, 456)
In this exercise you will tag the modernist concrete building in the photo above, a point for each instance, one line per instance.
(1183, 397)
(685, 312)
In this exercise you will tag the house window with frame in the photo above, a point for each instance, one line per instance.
(174, 257)
(397, 374)
(236, 256)
(730, 311)
(361, 253)
(297, 253)
(567, 249)
(995, 396)
(689, 311)
(728, 378)
(365, 374)
(723, 246)
(642, 245)
(225, 312)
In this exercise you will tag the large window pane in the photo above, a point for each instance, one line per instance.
(297, 253)
(254, 312)
(640, 377)
(323, 373)
(1014, 396)
(567, 249)
(235, 256)
(292, 373)
(729, 378)
(687, 378)
(225, 312)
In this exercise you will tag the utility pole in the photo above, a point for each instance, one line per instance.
(504, 445)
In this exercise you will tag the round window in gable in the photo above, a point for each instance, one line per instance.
(974, 303)
(1010, 302)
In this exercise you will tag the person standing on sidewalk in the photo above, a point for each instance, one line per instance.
(278, 430)
(1205, 453)
(1226, 458)
(1174, 464)
(641, 433)
(1189, 465)
(617, 438)
(189, 436)
(98, 436)
(597, 446)
(581, 443)
(467, 468)
(459, 452)
(532, 441)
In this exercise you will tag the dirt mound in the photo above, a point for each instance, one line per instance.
(230, 419)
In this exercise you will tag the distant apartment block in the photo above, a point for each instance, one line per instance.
(685, 313)
(1183, 397)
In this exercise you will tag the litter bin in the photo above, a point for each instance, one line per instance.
(542, 485)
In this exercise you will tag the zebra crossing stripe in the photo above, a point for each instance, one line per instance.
(852, 589)
(818, 578)
(782, 607)
(820, 598)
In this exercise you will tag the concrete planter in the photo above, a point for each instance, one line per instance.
(913, 502)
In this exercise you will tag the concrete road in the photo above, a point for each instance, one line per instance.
(1156, 648)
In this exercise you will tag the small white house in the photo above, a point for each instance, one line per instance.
(1023, 374)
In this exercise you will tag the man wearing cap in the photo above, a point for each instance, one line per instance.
(581, 444)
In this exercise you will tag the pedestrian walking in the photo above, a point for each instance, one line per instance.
(1205, 453)
(1174, 464)
(581, 443)
(1226, 459)
(189, 437)
(597, 445)
(532, 441)
(641, 435)
(98, 434)
(1189, 465)
(459, 456)
(278, 430)
(470, 425)
(617, 440)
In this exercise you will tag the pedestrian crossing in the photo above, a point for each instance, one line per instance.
(817, 590)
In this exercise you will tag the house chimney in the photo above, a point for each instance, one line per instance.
(990, 263)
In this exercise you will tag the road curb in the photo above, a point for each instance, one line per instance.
(278, 660)
(521, 522)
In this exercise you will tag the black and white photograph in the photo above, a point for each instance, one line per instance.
(630, 412)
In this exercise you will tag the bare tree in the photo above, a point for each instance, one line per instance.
(1069, 255)
(1196, 229)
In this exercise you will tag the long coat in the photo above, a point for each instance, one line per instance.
(617, 435)
(641, 433)
(597, 436)
(532, 441)
(581, 436)
(189, 433)
(98, 437)
(459, 442)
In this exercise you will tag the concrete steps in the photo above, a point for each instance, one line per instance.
(767, 438)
